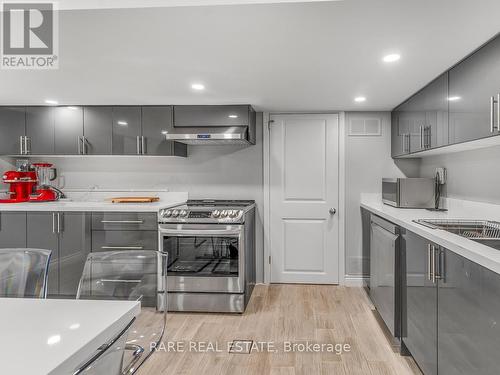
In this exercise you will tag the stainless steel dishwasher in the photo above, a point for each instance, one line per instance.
(385, 273)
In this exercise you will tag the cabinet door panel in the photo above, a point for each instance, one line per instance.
(472, 83)
(420, 307)
(126, 129)
(74, 246)
(12, 127)
(41, 234)
(156, 121)
(211, 115)
(98, 130)
(68, 130)
(469, 307)
(40, 130)
(12, 229)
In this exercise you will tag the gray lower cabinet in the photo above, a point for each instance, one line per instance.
(74, 246)
(419, 331)
(12, 230)
(126, 130)
(68, 124)
(68, 236)
(42, 234)
(98, 130)
(12, 128)
(473, 85)
(468, 312)
(40, 130)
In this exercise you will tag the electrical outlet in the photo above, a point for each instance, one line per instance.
(441, 175)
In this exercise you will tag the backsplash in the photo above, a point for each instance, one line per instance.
(472, 175)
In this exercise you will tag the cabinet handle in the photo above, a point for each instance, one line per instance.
(84, 145)
(53, 222)
(79, 145)
(138, 144)
(60, 227)
(122, 221)
(143, 146)
(122, 247)
(429, 262)
(421, 137)
(27, 145)
(492, 114)
(498, 112)
(408, 140)
(21, 148)
(433, 259)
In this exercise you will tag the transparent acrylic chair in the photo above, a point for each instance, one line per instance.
(136, 275)
(23, 272)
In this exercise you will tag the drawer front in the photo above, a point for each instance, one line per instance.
(124, 221)
(117, 240)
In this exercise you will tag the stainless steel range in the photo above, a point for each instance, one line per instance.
(211, 251)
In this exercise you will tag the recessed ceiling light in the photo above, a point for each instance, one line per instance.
(53, 339)
(391, 58)
(198, 86)
(52, 102)
(122, 123)
(360, 99)
(74, 326)
(233, 116)
(454, 98)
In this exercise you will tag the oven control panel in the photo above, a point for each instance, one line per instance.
(216, 215)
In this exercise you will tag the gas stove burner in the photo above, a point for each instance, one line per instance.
(207, 211)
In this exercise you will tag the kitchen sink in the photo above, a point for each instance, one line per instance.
(485, 232)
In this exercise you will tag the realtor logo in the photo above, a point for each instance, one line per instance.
(29, 36)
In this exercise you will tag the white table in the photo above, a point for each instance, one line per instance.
(56, 336)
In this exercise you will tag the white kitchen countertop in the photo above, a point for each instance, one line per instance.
(55, 336)
(457, 209)
(99, 201)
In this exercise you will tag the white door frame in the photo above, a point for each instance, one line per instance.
(267, 192)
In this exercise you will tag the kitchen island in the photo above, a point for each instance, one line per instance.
(57, 336)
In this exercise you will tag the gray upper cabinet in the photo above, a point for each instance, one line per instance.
(97, 130)
(421, 123)
(400, 137)
(68, 130)
(420, 310)
(126, 130)
(12, 229)
(40, 130)
(211, 115)
(12, 128)
(473, 84)
(156, 121)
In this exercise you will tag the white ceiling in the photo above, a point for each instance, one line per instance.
(280, 57)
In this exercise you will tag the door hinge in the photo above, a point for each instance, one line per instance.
(269, 259)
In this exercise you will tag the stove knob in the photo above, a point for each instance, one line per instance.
(183, 213)
(168, 213)
(216, 214)
(175, 213)
(233, 213)
(223, 214)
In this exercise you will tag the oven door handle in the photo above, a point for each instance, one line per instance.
(202, 232)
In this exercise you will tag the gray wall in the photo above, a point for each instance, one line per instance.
(472, 175)
(367, 160)
(229, 172)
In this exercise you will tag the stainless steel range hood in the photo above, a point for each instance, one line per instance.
(209, 135)
(209, 124)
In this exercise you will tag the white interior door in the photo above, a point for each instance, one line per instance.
(304, 194)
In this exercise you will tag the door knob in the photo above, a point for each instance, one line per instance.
(332, 211)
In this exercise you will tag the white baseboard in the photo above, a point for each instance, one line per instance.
(355, 280)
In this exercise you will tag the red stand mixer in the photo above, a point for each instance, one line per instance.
(31, 183)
